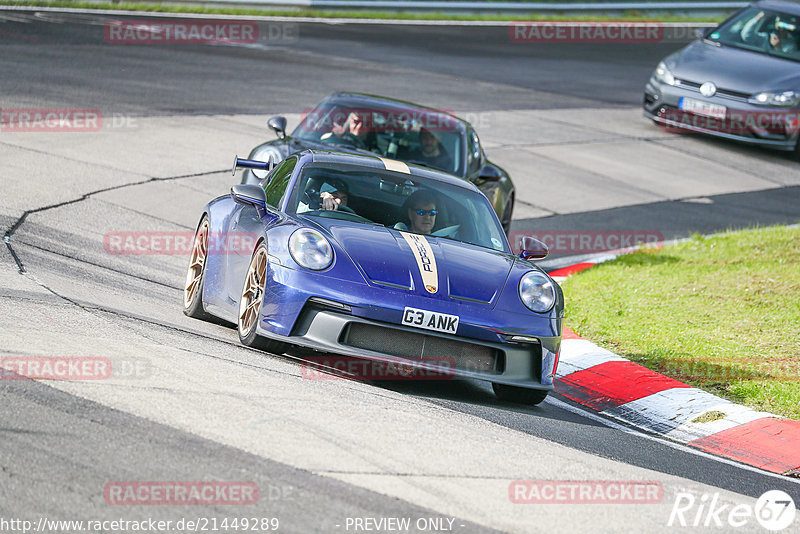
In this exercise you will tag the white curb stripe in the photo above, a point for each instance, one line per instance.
(579, 354)
(736, 415)
(664, 412)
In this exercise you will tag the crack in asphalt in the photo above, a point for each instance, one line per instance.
(21, 220)
(99, 266)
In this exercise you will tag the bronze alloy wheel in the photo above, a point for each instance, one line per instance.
(253, 292)
(195, 275)
(250, 304)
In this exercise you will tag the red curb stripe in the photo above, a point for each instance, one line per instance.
(769, 443)
(572, 269)
(611, 384)
(566, 333)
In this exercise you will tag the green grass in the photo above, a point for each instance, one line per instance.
(721, 313)
(358, 14)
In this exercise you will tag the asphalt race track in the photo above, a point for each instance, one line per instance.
(191, 404)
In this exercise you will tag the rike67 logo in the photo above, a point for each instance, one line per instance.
(774, 510)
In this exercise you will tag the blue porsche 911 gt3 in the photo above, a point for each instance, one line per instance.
(375, 259)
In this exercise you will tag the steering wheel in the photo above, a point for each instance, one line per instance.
(346, 209)
(311, 199)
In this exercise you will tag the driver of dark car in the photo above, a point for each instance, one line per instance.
(354, 130)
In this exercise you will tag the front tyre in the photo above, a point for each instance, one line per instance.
(250, 304)
(196, 274)
(519, 395)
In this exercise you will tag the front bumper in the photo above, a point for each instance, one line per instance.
(369, 327)
(775, 128)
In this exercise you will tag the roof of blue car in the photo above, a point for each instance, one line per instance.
(375, 162)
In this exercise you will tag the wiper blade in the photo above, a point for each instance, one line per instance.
(417, 162)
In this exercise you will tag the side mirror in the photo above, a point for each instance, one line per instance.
(533, 249)
(249, 195)
(489, 173)
(278, 125)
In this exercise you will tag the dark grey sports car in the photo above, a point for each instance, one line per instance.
(740, 80)
(367, 124)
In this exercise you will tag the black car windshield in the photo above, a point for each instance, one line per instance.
(396, 200)
(765, 31)
(415, 135)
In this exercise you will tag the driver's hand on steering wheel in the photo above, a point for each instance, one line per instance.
(331, 202)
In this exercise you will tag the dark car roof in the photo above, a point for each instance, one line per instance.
(362, 99)
(779, 5)
(375, 162)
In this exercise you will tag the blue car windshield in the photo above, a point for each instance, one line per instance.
(415, 135)
(760, 30)
(396, 200)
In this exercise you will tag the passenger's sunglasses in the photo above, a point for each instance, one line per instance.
(432, 213)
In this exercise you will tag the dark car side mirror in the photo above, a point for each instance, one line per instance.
(278, 125)
(249, 195)
(489, 173)
(533, 249)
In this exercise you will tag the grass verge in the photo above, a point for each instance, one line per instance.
(354, 14)
(721, 313)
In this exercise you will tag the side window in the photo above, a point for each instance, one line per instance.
(473, 152)
(276, 186)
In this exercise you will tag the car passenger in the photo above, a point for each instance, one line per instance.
(431, 152)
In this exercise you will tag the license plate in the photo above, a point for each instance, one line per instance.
(430, 320)
(702, 108)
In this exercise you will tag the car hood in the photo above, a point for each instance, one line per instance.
(386, 258)
(734, 69)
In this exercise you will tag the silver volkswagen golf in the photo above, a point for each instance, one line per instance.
(740, 80)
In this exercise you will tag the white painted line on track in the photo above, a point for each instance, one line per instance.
(678, 446)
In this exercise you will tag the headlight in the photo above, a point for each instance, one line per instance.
(537, 292)
(778, 98)
(663, 74)
(263, 154)
(310, 250)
